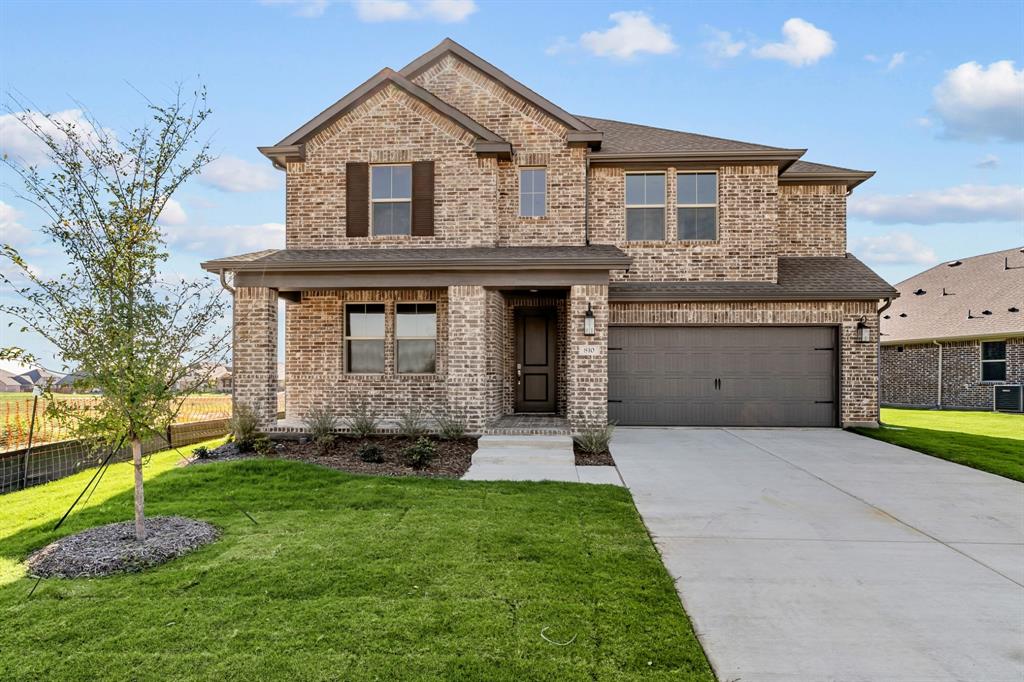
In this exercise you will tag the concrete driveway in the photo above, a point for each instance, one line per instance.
(817, 554)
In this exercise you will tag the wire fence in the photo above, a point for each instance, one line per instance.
(52, 455)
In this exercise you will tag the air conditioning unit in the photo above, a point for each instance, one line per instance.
(1008, 398)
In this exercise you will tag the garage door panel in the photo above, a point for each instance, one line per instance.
(769, 376)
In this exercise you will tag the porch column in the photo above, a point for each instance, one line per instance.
(468, 378)
(254, 352)
(587, 371)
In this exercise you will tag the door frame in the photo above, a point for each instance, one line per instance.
(551, 314)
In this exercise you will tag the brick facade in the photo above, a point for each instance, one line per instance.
(858, 361)
(812, 220)
(254, 340)
(910, 374)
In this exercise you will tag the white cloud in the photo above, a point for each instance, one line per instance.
(231, 174)
(987, 162)
(924, 122)
(873, 58)
(310, 9)
(561, 44)
(960, 204)
(979, 102)
(632, 34)
(173, 214)
(444, 11)
(11, 230)
(722, 45)
(227, 239)
(895, 60)
(17, 141)
(893, 248)
(805, 44)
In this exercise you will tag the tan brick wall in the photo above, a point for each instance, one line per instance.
(747, 228)
(812, 220)
(859, 379)
(254, 351)
(587, 376)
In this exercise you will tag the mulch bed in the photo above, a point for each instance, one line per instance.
(451, 460)
(110, 549)
(591, 459)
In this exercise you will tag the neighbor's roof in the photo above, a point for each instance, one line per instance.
(800, 279)
(980, 296)
(8, 378)
(471, 258)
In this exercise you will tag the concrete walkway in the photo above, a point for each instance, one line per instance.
(817, 554)
(533, 458)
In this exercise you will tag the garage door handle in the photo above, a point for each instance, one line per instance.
(614, 401)
(718, 384)
(823, 402)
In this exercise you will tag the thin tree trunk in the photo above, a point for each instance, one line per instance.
(140, 518)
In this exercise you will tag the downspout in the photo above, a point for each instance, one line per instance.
(586, 201)
(938, 388)
(224, 283)
(878, 360)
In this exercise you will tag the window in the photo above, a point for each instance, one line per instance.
(993, 361)
(416, 338)
(364, 338)
(532, 192)
(391, 196)
(697, 206)
(645, 206)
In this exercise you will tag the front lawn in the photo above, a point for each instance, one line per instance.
(989, 441)
(349, 577)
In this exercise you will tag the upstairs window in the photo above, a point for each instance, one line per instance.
(391, 196)
(533, 183)
(697, 206)
(416, 338)
(364, 338)
(645, 206)
(993, 361)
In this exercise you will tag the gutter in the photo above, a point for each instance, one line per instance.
(938, 391)
(586, 202)
(878, 359)
(784, 155)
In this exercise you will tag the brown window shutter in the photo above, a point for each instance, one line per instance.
(423, 198)
(357, 199)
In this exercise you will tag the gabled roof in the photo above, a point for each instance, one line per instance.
(806, 171)
(292, 147)
(822, 278)
(584, 132)
(976, 297)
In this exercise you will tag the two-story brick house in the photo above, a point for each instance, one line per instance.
(458, 244)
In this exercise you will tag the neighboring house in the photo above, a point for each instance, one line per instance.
(955, 333)
(37, 377)
(66, 384)
(221, 379)
(8, 382)
(458, 244)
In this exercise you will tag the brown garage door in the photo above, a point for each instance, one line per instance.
(722, 376)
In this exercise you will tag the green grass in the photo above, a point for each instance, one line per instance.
(989, 441)
(349, 577)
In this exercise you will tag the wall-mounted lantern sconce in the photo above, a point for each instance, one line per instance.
(863, 331)
(588, 322)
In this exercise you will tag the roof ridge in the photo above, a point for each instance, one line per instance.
(947, 261)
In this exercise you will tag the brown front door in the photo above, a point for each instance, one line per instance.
(535, 359)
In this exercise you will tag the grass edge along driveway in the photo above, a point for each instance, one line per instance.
(989, 441)
(350, 577)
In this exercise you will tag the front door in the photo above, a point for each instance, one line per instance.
(536, 341)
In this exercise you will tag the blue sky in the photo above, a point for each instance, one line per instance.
(931, 96)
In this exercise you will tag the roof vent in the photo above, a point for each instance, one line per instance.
(920, 292)
(986, 312)
(946, 293)
(1013, 309)
(955, 263)
(903, 314)
(886, 317)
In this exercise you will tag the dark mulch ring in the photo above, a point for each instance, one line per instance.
(451, 459)
(112, 548)
(592, 459)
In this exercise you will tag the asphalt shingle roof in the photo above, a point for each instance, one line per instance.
(631, 138)
(992, 282)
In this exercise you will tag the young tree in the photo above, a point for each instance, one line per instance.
(142, 340)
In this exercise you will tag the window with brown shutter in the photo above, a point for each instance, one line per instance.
(357, 199)
(423, 198)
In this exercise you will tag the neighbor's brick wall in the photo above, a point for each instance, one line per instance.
(392, 127)
(812, 220)
(910, 377)
(315, 357)
(747, 244)
(859, 379)
(254, 351)
(538, 140)
(587, 377)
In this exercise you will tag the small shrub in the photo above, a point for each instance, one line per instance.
(368, 452)
(262, 446)
(451, 427)
(412, 425)
(419, 454)
(321, 424)
(244, 427)
(595, 439)
(201, 452)
(363, 422)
